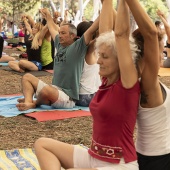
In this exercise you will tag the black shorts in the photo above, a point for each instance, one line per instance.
(154, 162)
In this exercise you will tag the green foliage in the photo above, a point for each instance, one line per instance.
(151, 6)
(13, 8)
(88, 11)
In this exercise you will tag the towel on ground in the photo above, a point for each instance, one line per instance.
(18, 159)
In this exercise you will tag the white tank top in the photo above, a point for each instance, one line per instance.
(153, 128)
(90, 79)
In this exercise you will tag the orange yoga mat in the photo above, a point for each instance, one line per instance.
(57, 115)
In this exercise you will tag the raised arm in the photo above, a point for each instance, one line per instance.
(107, 17)
(151, 46)
(88, 35)
(53, 28)
(149, 79)
(65, 20)
(166, 24)
(128, 72)
(42, 35)
(167, 30)
(29, 18)
(27, 25)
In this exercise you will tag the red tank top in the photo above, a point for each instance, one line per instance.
(114, 110)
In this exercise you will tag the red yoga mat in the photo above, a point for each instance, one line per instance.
(50, 71)
(57, 115)
(10, 95)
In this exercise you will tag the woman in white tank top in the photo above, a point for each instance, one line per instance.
(153, 121)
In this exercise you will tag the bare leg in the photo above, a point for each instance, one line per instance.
(14, 65)
(28, 65)
(58, 153)
(21, 100)
(47, 95)
(29, 85)
(6, 58)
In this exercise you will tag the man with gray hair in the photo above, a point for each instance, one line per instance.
(68, 66)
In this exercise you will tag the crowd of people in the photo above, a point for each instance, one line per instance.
(113, 71)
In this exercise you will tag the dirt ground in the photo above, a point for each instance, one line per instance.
(22, 131)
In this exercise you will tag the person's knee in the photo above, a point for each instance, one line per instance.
(46, 143)
(11, 63)
(21, 63)
(27, 77)
(39, 142)
(47, 91)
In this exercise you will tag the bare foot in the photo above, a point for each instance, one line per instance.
(21, 100)
(25, 106)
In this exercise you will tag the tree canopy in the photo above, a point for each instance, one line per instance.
(152, 6)
(14, 8)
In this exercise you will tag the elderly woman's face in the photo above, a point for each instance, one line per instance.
(108, 63)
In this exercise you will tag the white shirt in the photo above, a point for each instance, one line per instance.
(153, 131)
(90, 79)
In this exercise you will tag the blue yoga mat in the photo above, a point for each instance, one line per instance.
(4, 64)
(8, 107)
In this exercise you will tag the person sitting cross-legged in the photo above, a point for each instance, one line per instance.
(68, 66)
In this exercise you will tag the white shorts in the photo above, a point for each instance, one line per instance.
(63, 102)
(82, 159)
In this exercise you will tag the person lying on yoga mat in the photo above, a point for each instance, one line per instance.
(114, 107)
(153, 120)
(68, 66)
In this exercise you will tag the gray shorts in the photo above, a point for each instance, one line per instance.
(63, 102)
